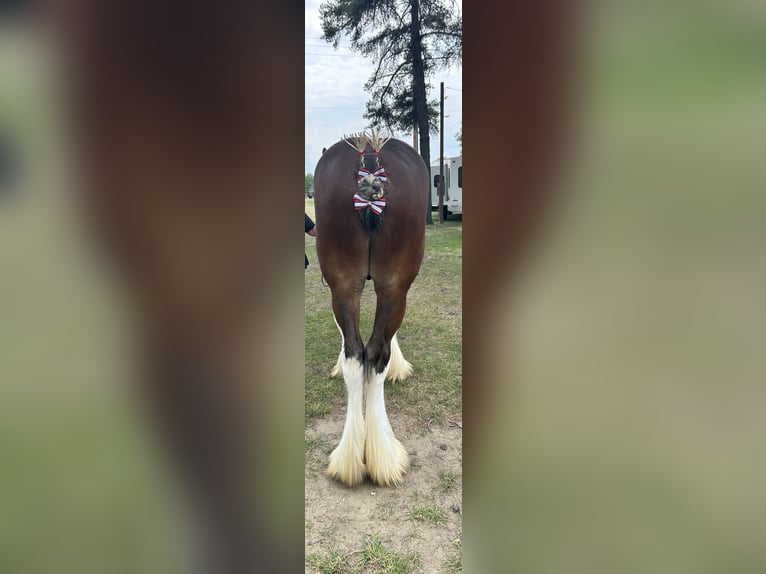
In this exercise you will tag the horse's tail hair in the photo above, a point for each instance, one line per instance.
(370, 188)
(370, 220)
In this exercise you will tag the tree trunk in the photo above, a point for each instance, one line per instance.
(420, 96)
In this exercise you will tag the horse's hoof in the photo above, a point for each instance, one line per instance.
(348, 470)
(387, 466)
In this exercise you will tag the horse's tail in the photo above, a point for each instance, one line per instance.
(370, 189)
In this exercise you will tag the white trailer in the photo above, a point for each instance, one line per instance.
(453, 185)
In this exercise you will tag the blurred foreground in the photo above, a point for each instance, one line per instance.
(150, 401)
(630, 434)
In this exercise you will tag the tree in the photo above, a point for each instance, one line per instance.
(408, 40)
(459, 138)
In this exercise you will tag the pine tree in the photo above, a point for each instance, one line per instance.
(408, 40)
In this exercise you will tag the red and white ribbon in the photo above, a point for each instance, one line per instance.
(380, 173)
(377, 206)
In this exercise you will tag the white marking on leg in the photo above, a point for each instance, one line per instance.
(347, 460)
(337, 370)
(386, 458)
(399, 368)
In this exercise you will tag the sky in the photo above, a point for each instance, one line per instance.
(335, 99)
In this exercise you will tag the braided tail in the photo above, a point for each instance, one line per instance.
(370, 202)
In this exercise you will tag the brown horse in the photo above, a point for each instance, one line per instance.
(371, 201)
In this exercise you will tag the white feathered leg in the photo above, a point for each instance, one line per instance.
(386, 459)
(347, 460)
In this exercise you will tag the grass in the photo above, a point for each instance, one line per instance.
(430, 336)
(426, 509)
(454, 564)
(332, 562)
(385, 511)
(377, 558)
(448, 480)
(374, 558)
(428, 513)
(318, 443)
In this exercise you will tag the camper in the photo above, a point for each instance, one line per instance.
(453, 185)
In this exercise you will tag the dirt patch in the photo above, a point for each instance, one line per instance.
(422, 516)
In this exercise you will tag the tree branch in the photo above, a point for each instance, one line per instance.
(393, 75)
(442, 33)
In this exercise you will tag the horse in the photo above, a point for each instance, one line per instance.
(371, 197)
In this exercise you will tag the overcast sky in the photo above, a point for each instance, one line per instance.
(335, 99)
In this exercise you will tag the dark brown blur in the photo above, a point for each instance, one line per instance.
(519, 95)
(613, 287)
(519, 73)
(182, 128)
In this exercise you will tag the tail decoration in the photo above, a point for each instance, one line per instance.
(379, 173)
(370, 200)
(376, 206)
(360, 140)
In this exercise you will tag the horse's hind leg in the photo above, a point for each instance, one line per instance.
(399, 368)
(386, 458)
(347, 460)
(337, 370)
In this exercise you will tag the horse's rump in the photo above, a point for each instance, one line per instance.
(368, 217)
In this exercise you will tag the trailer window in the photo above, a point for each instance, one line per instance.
(460, 176)
(436, 181)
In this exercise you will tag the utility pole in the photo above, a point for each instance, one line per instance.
(441, 155)
(415, 137)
